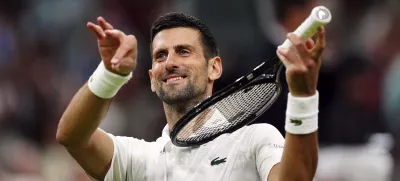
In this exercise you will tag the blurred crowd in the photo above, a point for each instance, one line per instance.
(47, 53)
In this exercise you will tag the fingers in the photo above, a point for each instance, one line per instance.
(116, 34)
(97, 30)
(127, 47)
(299, 45)
(284, 60)
(299, 54)
(320, 43)
(104, 24)
(125, 57)
(310, 43)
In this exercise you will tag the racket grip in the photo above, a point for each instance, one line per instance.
(319, 16)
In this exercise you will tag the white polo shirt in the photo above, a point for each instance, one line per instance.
(246, 154)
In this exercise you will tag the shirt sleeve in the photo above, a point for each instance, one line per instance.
(268, 147)
(129, 159)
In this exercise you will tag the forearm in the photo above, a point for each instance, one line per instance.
(300, 153)
(302, 62)
(81, 118)
(300, 157)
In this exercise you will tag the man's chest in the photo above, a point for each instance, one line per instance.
(217, 161)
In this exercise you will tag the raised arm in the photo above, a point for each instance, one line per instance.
(78, 129)
(300, 154)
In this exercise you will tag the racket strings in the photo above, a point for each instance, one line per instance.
(229, 112)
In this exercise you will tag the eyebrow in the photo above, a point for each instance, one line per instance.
(183, 46)
(176, 47)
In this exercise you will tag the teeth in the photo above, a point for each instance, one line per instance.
(174, 79)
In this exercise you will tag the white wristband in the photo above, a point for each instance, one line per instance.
(106, 84)
(302, 114)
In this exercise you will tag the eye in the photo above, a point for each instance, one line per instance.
(160, 56)
(183, 52)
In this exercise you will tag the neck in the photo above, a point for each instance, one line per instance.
(175, 112)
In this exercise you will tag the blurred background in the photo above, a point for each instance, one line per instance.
(47, 53)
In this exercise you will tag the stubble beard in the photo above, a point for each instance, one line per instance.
(182, 97)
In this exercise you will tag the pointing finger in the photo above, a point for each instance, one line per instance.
(104, 24)
(97, 30)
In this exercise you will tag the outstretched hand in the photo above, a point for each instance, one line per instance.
(118, 50)
(302, 63)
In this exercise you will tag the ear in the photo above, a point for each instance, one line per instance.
(214, 68)
(151, 80)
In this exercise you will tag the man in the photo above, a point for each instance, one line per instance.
(185, 64)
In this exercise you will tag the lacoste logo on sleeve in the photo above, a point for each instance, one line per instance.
(296, 122)
(218, 161)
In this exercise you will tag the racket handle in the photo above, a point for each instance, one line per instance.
(319, 16)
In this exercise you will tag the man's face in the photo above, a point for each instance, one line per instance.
(179, 72)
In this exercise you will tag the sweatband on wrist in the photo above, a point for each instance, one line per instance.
(302, 114)
(106, 84)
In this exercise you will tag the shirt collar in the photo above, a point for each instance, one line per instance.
(165, 131)
(164, 140)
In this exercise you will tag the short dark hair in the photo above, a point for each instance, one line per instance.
(175, 20)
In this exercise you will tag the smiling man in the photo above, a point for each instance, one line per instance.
(185, 64)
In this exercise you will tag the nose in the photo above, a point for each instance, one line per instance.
(171, 62)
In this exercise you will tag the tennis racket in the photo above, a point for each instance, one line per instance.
(241, 102)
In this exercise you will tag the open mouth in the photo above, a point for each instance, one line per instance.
(173, 79)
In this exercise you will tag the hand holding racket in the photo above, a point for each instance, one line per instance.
(301, 57)
(250, 96)
(302, 63)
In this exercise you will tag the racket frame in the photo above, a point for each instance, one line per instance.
(266, 72)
